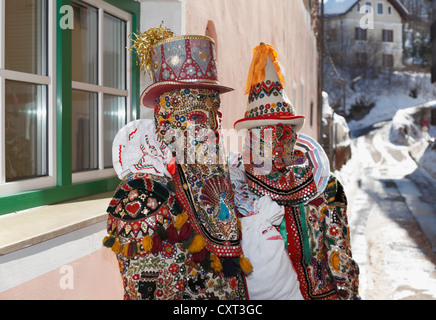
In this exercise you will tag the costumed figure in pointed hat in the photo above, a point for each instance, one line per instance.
(172, 220)
(280, 163)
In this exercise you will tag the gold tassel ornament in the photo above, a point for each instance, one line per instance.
(197, 244)
(256, 73)
(147, 243)
(116, 247)
(245, 264)
(215, 263)
(181, 220)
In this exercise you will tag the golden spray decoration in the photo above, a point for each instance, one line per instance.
(144, 42)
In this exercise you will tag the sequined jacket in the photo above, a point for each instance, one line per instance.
(318, 242)
(316, 235)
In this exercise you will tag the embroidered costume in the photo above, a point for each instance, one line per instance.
(172, 221)
(293, 170)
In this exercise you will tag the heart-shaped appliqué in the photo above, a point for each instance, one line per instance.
(133, 208)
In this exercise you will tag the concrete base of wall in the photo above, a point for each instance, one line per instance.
(93, 277)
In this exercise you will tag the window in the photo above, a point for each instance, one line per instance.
(368, 6)
(358, 7)
(389, 10)
(361, 57)
(100, 95)
(380, 8)
(332, 34)
(388, 60)
(64, 94)
(360, 33)
(387, 35)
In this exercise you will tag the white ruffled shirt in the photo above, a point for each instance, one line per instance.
(138, 148)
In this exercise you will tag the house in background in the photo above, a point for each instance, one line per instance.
(365, 32)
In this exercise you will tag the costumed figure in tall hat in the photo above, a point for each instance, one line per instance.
(172, 221)
(280, 163)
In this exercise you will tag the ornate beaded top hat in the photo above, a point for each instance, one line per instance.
(176, 62)
(268, 103)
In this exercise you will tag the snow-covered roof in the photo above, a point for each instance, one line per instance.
(340, 7)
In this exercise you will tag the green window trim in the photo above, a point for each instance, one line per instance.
(65, 189)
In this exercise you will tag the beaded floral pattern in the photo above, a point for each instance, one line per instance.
(175, 277)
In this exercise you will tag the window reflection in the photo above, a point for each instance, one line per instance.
(26, 130)
(85, 43)
(84, 130)
(114, 118)
(26, 36)
(114, 52)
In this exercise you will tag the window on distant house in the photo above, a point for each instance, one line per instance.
(361, 57)
(387, 35)
(380, 8)
(389, 10)
(360, 34)
(388, 60)
(358, 7)
(368, 5)
(332, 34)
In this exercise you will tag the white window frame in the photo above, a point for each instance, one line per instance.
(50, 81)
(368, 4)
(100, 89)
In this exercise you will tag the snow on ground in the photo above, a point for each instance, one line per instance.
(428, 160)
(392, 229)
(390, 188)
(390, 94)
(407, 129)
